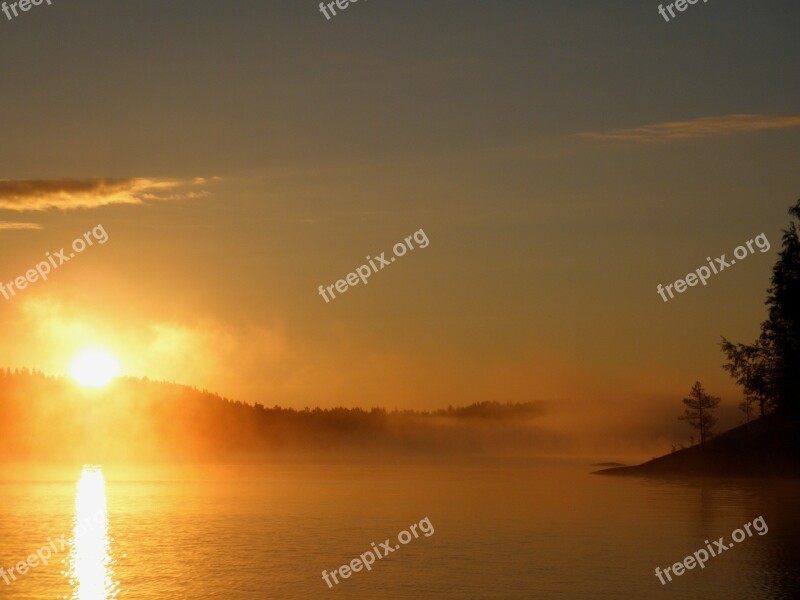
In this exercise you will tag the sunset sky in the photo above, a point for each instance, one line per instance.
(563, 159)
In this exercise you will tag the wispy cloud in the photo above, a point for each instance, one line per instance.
(8, 225)
(71, 194)
(706, 126)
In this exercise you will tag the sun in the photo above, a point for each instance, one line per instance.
(94, 368)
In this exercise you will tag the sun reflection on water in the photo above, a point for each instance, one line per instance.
(91, 572)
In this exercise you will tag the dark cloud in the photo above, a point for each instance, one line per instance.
(71, 194)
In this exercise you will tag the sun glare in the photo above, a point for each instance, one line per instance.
(94, 368)
(91, 570)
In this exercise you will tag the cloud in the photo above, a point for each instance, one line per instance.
(706, 126)
(8, 225)
(71, 194)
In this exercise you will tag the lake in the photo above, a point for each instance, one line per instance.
(500, 529)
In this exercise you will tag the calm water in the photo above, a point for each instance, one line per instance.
(509, 530)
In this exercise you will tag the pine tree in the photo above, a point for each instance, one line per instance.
(781, 330)
(769, 369)
(698, 411)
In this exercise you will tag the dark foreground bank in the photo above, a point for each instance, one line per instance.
(766, 447)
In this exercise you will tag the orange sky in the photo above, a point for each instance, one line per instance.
(239, 161)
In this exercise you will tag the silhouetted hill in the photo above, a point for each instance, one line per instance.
(769, 446)
(46, 418)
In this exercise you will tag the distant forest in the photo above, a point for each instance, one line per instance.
(136, 420)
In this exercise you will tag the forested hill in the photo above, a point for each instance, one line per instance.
(53, 419)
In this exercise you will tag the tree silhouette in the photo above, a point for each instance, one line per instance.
(746, 406)
(769, 369)
(782, 327)
(698, 411)
(753, 367)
